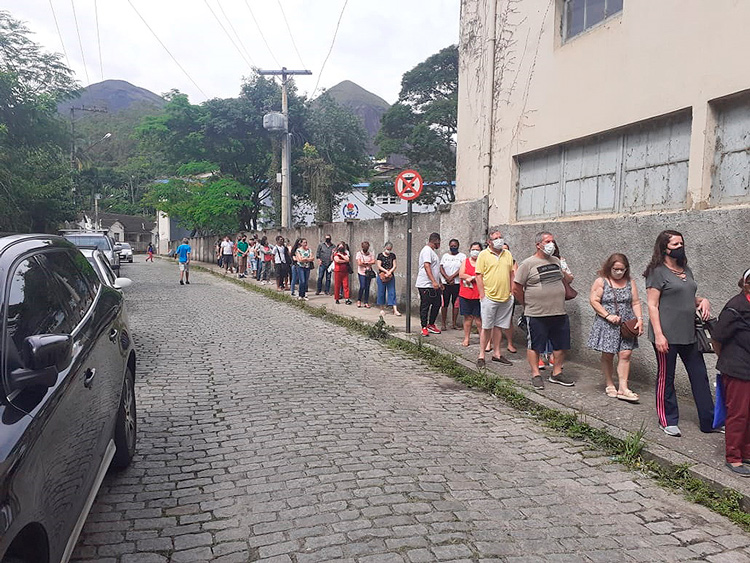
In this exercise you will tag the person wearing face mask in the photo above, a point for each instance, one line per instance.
(468, 295)
(539, 287)
(450, 264)
(341, 271)
(386, 266)
(614, 298)
(672, 304)
(731, 339)
(429, 286)
(494, 277)
(324, 256)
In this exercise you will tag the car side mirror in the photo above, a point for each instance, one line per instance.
(122, 283)
(43, 355)
(118, 247)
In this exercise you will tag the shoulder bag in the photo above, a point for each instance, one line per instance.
(703, 333)
(627, 328)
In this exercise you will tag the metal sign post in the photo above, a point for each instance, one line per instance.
(408, 186)
(408, 267)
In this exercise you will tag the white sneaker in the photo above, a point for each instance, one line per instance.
(672, 431)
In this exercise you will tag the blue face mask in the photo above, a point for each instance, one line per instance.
(454, 249)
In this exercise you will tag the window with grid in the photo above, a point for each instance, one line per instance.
(388, 199)
(641, 168)
(580, 15)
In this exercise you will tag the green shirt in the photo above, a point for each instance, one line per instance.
(242, 247)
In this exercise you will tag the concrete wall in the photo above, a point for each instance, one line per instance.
(715, 241)
(522, 89)
(465, 221)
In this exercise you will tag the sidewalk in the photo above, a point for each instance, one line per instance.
(703, 452)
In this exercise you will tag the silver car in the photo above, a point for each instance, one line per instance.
(101, 241)
(126, 252)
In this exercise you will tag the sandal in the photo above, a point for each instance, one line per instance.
(611, 391)
(628, 396)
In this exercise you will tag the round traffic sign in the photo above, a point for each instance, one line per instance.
(409, 185)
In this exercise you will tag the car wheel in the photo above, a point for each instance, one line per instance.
(131, 260)
(126, 426)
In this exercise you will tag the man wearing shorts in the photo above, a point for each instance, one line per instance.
(227, 253)
(450, 264)
(539, 287)
(494, 273)
(183, 258)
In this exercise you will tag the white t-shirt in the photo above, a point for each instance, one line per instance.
(428, 255)
(226, 247)
(451, 263)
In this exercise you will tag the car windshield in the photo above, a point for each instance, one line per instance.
(102, 243)
(125, 245)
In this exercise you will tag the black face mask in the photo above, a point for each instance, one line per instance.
(678, 254)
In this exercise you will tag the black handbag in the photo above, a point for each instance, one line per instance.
(703, 333)
(369, 273)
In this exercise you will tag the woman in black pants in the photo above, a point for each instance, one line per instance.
(672, 305)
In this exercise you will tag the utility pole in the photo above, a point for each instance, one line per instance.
(286, 145)
(74, 109)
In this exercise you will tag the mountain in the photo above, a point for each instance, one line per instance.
(114, 96)
(364, 104)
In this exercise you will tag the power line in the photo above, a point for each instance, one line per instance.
(54, 16)
(167, 50)
(291, 35)
(224, 29)
(229, 21)
(98, 40)
(333, 41)
(80, 43)
(263, 37)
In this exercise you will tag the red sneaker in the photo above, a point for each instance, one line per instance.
(425, 332)
(433, 329)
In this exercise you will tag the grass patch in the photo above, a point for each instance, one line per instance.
(679, 478)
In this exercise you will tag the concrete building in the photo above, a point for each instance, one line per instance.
(607, 121)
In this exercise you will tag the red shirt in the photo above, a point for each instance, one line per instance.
(473, 291)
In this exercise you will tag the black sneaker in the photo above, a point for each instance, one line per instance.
(182, 282)
(537, 382)
(503, 360)
(187, 282)
(561, 379)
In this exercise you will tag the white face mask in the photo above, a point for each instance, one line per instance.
(474, 253)
(386, 251)
(549, 248)
(498, 243)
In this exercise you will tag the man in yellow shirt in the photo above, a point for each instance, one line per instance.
(494, 271)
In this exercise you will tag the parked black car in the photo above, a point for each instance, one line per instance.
(67, 401)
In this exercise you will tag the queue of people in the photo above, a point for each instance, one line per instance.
(486, 285)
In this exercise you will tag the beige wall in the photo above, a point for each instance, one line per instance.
(655, 58)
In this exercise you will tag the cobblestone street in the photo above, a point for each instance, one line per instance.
(267, 434)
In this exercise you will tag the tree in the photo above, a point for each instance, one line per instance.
(422, 124)
(336, 156)
(35, 189)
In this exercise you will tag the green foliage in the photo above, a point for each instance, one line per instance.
(35, 186)
(422, 125)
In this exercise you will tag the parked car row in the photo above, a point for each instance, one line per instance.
(67, 398)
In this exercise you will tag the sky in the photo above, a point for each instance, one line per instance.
(377, 41)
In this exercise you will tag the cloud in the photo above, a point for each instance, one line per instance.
(377, 41)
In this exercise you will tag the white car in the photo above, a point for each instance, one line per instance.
(126, 252)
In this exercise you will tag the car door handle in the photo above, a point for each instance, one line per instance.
(88, 378)
(113, 335)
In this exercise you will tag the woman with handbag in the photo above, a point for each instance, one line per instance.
(341, 270)
(672, 303)
(304, 263)
(618, 323)
(365, 261)
(731, 339)
(386, 281)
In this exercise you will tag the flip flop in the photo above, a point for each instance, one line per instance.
(628, 396)
(611, 391)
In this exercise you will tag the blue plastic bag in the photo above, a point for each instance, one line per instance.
(720, 409)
